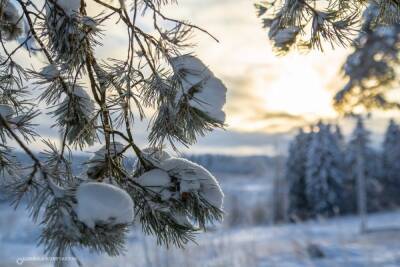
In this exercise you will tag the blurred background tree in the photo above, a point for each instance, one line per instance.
(370, 27)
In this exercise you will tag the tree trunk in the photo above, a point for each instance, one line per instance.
(361, 190)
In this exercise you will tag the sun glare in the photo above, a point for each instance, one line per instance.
(294, 84)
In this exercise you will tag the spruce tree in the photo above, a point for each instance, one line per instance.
(339, 138)
(390, 164)
(324, 174)
(296, 175)
(362, 160)
(371, 69)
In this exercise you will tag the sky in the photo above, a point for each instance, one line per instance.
(269, 96)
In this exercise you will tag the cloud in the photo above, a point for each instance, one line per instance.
(282, 116)
(241, 143)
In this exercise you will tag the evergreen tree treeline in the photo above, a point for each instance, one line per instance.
(321, 171)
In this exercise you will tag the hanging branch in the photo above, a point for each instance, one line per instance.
(308, 24)
(89, 100)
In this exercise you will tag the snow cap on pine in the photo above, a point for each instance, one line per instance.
(100, 203)
(86, 103)
(29, 44)
(90, 23)
(155, 154)
(190, 70)
(50, 72)
(157, 181)
(98, 159)
(194, 178)
(191, 177)
(11, 21)
(70, 7)
(182, 219)
(6, 111)
(205, 92)
(285, 36)
(115, 148)
(282, 37)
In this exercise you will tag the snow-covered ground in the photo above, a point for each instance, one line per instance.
(244, 245)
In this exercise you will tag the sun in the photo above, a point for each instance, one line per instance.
(299, 93)
(299, 89)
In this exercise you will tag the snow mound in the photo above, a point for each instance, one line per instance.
(103, 203)
(206, 92)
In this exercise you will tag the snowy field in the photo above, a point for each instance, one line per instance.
(239, 244)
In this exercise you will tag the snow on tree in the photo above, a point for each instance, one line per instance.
(70, 7)
(96, 101)
(157, 181)
(50, 72)
(11, 26)
(200, 87)
(101, 203)
(357, 164)
(360, 143)
(391, 153)
(198, 102)
(339, 137)
(390, 164)
(324, 174)
(97, 165)
(371, 70)
(7, 111)
(308, 24)
(361, 160)
(79, 118)
(296, 175)
(179, 190)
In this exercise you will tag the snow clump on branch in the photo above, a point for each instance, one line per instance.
(70, 7)
(6, 111)
(194, 178)
(177, 180)
(98, 163)
(11, 21)
(199, 87)
(100, 203)
(77, 113)
(50, 72)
